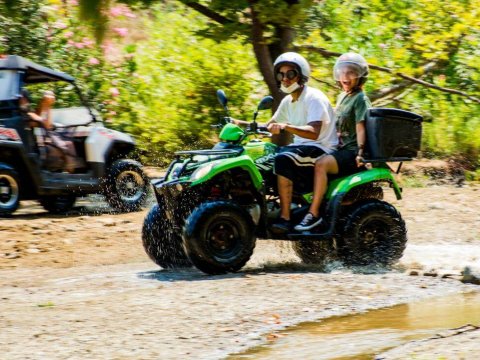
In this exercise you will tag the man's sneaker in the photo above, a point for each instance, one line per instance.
(281, 226)
(308, 222)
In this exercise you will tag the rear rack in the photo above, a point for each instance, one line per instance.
(400, 160)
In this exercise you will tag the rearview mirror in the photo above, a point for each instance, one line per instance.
(222, 98)
(266, 103)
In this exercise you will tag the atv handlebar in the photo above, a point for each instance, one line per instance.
(225, 120)
(261, 130)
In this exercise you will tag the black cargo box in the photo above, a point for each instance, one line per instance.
(392, 134)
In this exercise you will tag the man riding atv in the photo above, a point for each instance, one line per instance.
(305, 113)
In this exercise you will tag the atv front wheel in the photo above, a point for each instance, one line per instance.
(57, 204)
(126, 186)
(219, 237)
(9, 192)
(374, 234)
(314, 252)
(161, 243)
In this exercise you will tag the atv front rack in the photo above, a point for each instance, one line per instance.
(209, 152)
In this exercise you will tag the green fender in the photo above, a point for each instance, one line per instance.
(344, 185)
(212, 169)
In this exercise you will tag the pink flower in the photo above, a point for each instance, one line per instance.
(60, 25)
(116, 11)
(114, 91)
(93, 61)
(382, 46)
(87, 42)
(79, 45)
(68, 34)
(107, 46)
(73, 2)
(129, 14)
(121, 31)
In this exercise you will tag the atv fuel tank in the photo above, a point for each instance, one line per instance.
(257, 148)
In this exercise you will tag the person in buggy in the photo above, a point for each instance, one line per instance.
(55, 147)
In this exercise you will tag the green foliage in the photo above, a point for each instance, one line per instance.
(158, 82)
(409, 36)
(161, 89)
(181, 74)
(29, 37)
(49, 32)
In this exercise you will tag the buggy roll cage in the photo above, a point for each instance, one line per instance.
(33, 73)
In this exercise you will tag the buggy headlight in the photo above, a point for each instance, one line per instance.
(202, 171)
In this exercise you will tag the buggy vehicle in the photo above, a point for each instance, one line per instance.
(213, 204)
(27, 172)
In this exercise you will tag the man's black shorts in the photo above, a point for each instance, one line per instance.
(297, 163)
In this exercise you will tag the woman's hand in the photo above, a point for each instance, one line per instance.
(360, 161)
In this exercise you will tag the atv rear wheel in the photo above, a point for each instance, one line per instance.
(161, 242)
(219, 237)
(57, 204)
(9, 192)
(374, 234)
(126, 186)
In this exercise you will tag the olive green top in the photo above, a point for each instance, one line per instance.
(350, 110)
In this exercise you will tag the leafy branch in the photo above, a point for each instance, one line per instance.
(398, 87)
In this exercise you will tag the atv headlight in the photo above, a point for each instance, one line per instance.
(202, 171)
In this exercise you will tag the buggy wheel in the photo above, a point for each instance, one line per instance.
(9, 192)
(374, 234)
(219, 237)
(161, 242)
(57, 204)
(314, 252)
(126, 186)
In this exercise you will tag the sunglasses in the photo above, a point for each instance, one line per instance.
(290, 75)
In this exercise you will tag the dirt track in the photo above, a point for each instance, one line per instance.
(81, 286)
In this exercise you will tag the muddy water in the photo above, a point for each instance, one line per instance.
(364, 335)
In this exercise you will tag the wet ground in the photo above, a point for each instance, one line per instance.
(81, 286)
(375, 332)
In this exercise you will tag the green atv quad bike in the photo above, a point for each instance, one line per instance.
(213, 204)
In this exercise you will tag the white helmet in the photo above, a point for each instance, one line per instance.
(297, 60)
(354, 62)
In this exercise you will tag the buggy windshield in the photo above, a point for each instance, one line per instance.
(8, 84)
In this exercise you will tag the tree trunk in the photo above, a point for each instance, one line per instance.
(265, 62)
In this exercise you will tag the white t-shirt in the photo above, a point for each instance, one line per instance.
(312, 105)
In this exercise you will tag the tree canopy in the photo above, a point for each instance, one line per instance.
(422, 54)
